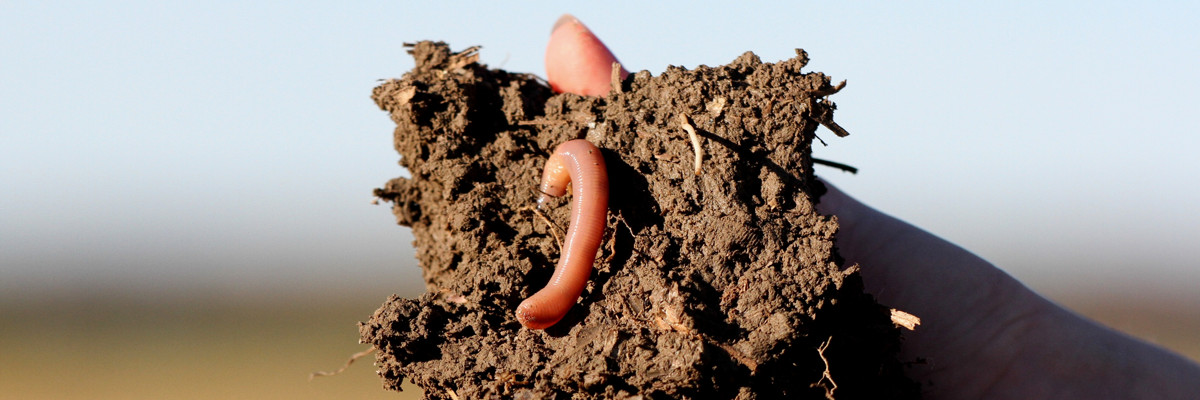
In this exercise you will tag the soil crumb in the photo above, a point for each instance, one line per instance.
(721, 284)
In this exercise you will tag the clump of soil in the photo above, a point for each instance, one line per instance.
(721, 284)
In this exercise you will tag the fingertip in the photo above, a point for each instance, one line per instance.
(577, 61)
(565, 18)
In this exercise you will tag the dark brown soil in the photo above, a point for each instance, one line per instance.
(722, 284)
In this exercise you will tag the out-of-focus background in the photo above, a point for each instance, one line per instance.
(185, 188)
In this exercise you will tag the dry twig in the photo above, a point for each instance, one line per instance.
(833, 126)
(835, 164)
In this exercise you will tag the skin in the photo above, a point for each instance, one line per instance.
(580, 164)
(576, 61)
(984, 335)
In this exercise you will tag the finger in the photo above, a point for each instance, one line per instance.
(576, 61)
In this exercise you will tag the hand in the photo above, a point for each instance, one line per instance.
(983, 335)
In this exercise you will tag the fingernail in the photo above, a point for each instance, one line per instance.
(563, 20)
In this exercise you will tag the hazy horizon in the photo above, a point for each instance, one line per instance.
(153, 148)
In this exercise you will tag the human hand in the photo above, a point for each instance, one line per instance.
(983, 335)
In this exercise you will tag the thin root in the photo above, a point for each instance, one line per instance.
(826, 375)
(540, 122)
(450, 392)
(632, 237)
(612, 245)
(554, 229)
(354, 357)
(691, 131)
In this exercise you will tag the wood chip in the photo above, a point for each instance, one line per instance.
(616, 77)
(905, 320)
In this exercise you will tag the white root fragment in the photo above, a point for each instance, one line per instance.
(691, 131)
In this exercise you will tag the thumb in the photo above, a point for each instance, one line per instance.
(576, 61)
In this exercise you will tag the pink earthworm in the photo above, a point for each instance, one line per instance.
(580, 164)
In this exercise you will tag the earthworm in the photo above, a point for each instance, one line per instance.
(579, 164)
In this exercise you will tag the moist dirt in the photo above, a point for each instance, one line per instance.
(714, 282)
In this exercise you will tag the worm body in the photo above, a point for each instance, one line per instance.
(579, 164)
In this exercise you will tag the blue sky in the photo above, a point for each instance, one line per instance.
(158, 148)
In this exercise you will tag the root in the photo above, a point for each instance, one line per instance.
(554, 229)
(612, 243)
(633, 241)
(541, 122)
(826, 376)
(354, 357)
(691, 131)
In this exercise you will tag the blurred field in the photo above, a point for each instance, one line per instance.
(101, 347)
(106, 348)
(1173, 323)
